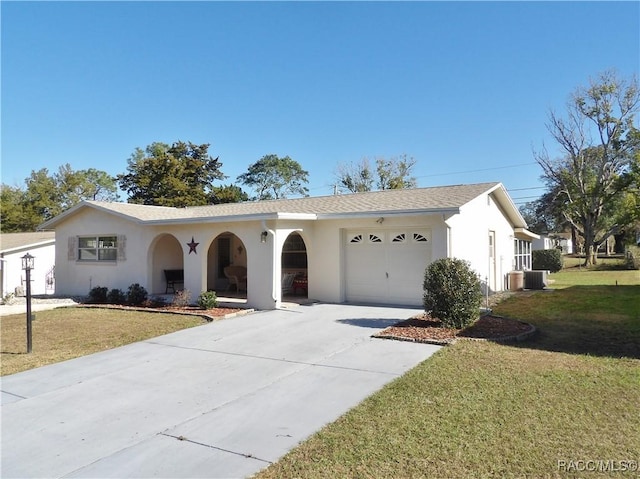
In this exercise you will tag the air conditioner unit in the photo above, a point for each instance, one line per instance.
(535, 279)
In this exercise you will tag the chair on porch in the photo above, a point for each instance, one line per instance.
(287, 282)
(237, 276)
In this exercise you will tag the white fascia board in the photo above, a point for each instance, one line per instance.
(525, 234)
(297, 216)
(235, 218)
(378, 214)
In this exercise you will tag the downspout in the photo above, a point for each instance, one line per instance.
(274, 283)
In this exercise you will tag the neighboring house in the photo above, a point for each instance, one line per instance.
(13, 246)
(554, 241)
(366, 247)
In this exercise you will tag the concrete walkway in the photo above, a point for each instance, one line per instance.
(222, 400)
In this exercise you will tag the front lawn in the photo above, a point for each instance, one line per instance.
(67, 333)
(479, 409)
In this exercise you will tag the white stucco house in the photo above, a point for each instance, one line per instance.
(13, 246)
(367, 247)
(553, 241)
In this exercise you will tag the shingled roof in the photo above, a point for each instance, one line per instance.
(16, 241)
(434, 199)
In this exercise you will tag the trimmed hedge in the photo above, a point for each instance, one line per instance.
(547, 260)
(452, 292)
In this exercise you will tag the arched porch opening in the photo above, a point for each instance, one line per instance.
(227, 266)
(294, 267)
(165, 255)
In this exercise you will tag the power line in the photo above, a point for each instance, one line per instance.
(461, 173)
(476, 171)
(531, 188)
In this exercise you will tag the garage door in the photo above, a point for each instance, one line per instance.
(386, 266)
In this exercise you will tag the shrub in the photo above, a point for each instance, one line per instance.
(98, 294)
(182, 298)
(452, 292)
(208, 300)
(136, 294)
(116, 296)
(547, 259)
(9, 298)
(632, 257)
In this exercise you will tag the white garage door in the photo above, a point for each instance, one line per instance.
(386, 266)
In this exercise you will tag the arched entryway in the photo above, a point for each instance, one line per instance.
(166, 255)
(294, 267)
(227, 265)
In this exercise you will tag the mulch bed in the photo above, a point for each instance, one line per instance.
(209, 314)
(426, 329)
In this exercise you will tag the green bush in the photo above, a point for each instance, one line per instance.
(98, 294)
(116, 296)
(547, 260)
(452, 292)
(632, 257)
(208, 300)
(136, 295)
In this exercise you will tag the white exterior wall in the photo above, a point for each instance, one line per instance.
(470, 239)
(326, 261)
(148, 253)
(76, 278)
(14, 277)
(151, 248)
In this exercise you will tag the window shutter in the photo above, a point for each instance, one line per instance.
(122, 246)
(73, 248)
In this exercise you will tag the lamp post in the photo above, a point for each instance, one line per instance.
(27, 266)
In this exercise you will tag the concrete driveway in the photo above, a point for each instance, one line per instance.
(220, 400)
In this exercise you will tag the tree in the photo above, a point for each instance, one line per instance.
(46, 195)
(228, 194)
(272, 177)
(12, 219)
(355, 177)
(391, 174)
(395, 174)
(598, 140)
(90, 184)
(178, 175)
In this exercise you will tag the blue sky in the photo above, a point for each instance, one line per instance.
(463, 87)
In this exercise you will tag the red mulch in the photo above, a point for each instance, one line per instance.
(424, 328)
(215, 313)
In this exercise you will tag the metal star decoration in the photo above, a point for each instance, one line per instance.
(192, 246)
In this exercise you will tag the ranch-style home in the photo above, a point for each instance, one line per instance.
(366, 247)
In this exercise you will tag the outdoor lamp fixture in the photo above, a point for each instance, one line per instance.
(263, 237)
(27, 266)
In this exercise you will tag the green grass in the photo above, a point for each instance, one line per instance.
(480, 409)
(67, 333)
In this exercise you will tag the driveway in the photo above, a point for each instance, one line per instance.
(222, 400)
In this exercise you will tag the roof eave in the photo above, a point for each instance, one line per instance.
(235, 218)
(53, 222)
(383, 213)
(525, 234)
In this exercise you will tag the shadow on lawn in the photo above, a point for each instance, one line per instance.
(593, 320)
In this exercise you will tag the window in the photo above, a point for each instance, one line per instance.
(419, 238)
(98, 248)
(522, 255)
(294, 253)
(399, 238)
(374, 238)
(356, 239)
